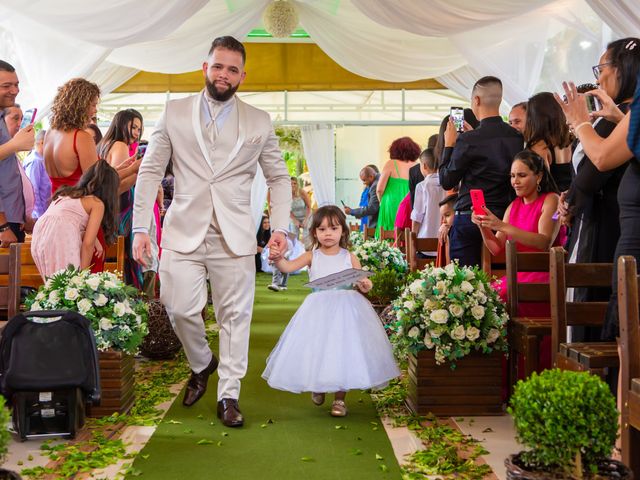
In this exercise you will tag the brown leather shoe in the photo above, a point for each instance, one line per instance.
(229, 412)
(197, 384)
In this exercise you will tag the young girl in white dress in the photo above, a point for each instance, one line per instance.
(335, 342)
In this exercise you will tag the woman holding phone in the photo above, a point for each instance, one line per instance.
(529, 219)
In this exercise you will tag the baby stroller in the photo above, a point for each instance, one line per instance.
(48, 371)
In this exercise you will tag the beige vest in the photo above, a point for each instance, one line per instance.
(220, 148)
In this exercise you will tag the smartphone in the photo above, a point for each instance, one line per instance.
(477, 201)
(457, 115)
(142, 149)
(593, 103)
(342, 202)
(29, 117)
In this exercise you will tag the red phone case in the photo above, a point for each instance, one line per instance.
(477, 201)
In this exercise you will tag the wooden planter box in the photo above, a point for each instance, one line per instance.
(116, 382)
(473, 388)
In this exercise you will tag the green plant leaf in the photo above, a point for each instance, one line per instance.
(204, 441)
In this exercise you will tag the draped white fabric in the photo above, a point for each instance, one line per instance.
(440, 18)
(623, 16)
(318, 144)
(258, 196)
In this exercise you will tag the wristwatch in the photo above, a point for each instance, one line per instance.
(5, 227)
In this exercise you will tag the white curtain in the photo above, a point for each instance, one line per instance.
(318, 144)
(460, 81)
(623, 16)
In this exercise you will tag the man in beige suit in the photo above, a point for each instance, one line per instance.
(216, 142)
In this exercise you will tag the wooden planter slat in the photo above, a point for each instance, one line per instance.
(117, 383)
(474, 387)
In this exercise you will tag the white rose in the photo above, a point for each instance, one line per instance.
(480, 287)
(469, 275)
(109, 284)
(84, 305)
(413, 332)
(119, 309)
(40, 296)
(416, 287)
(54, 298)
(365, 256)
(101, 300)
(437, 272)
(477, 312)
(456, 310)
(138, 320)
(493, 335)
(435, 333)
(439, 316)
(410, 305)
(35, 306)
(77, 281)
(466, 287)
(481, 297)
(71, 293)
(93, 282)
(473, 333)
(441, 286)
(430, 304)
(458, 333)
(105, 324)
(450, 270)
(427, 341)
(385, 254)
(366, 267)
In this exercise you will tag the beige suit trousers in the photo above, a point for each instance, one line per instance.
(183, 291)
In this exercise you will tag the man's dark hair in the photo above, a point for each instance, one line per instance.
(229, 43)
(428, 159)
(6, 67)
(486, 81)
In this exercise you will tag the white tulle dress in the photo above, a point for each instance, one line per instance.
(334, 342)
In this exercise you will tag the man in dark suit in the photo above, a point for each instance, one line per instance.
(415, 175)
(479, 159)
(370, 178)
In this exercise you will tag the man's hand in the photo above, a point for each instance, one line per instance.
(279, 241)
(450, 134)
(142, 248)
(7, 238)
(347, 210)
(24, 139)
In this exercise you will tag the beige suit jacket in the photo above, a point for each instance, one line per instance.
(199, 190)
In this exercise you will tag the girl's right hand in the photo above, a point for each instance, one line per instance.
(98, 251)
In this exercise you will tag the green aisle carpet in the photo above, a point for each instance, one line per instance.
(284, 437)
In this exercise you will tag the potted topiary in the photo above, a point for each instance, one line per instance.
(5, 438)
(118, 316)
(568, 421)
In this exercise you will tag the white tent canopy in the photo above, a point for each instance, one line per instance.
(530, 44)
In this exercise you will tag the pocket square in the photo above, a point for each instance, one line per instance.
(254, 140)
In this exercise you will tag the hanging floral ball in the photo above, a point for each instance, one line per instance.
(280, 18)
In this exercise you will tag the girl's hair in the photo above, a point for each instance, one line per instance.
(404, 149)
(70, 109)
(97, 134)
(546, 122)
(624, 55)
(335, 216)
(537, 165)
(102, 181)
(120, 130)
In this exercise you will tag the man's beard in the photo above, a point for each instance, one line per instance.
(220, 96)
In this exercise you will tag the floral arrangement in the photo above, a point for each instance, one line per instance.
(356, 238)
(378, 255)
(451, 310)
(118, 317)
(280, 18)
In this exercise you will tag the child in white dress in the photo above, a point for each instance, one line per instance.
(335, 342)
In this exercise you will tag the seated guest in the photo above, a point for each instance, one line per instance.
(425, 215)
(478, 159)
(369, 213)
(393, 184)
(518, 116)
(446, 220)
(547, 134)
(34, 167)
(528, 219)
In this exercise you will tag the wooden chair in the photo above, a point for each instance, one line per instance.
(388, 235)
(29, 274)
(525, 334)
(9, 284)
(369, 232)
(594, 357)
(114, 257)
(415, 245)
(628, 299)
(494, 265)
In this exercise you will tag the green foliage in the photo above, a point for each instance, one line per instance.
(5, 436)
(290, 141)
(566, 419)
(387, 285)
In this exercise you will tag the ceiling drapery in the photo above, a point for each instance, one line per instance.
(529, 44)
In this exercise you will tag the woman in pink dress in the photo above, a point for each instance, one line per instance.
(66, 233)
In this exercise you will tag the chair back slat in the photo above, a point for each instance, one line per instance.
(9, 282)
(533, 293)
(525, 262)
(415, 245)
(588, 274)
